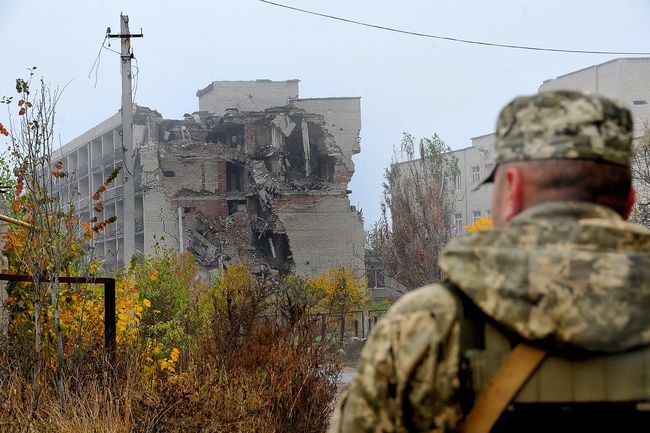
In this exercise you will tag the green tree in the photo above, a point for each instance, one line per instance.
(341, 291)
(167, 280)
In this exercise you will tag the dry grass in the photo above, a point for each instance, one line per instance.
(279, 379)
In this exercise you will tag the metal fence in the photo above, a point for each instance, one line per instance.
(109, 303)
(342, 327)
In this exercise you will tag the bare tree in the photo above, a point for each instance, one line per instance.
(50, 240)
(641, 176)
(31, 146)
(417, 211)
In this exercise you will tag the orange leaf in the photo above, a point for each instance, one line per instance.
(22, 111)
(21, 102)
(59, 165)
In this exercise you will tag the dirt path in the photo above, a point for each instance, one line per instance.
(347, 373)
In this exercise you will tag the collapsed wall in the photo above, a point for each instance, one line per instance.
(323, 232)
(266, 187)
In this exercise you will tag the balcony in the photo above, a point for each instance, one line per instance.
(113, 193)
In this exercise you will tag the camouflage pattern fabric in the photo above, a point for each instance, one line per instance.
(571, 273)
(407, 378)
(563, 124)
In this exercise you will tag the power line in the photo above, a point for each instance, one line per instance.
(447, 38)
(97, 61)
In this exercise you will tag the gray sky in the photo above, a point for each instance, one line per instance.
(406, 83)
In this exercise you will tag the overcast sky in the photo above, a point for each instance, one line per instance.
(406, 83)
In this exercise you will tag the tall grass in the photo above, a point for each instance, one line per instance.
(240, 370)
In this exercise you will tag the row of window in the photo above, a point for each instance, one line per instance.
(475, 176)
(459, 222)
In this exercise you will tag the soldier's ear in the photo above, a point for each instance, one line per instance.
(630, 203)
(514, 193)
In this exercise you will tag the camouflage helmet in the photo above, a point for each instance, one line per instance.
(563, 124)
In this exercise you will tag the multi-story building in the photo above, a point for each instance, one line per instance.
(625, 79)
(257, 175)
(474, 164)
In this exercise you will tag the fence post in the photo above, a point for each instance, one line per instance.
(356, 328)
(109, 318)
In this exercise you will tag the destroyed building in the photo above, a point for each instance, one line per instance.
(257, 175)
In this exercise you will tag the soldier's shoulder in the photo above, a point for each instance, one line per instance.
(432, 297)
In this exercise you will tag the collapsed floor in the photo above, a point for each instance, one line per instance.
(269, 188)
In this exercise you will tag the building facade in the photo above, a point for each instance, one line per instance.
(474, 164)
(625, 79)
(257, 175)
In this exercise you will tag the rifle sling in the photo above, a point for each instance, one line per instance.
(502, 388)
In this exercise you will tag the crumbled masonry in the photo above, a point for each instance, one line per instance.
(267, 187)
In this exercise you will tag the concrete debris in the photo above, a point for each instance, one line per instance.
(284, 124)
(260, 173)
(265, 187)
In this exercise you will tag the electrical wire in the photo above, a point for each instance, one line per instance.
(97, 61)
(134, 90)
(111, 50)
(452, 39)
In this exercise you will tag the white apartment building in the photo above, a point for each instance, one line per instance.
(474, 164)
(625, 79)
(257, 175)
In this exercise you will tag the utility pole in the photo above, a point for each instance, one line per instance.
(126, 55)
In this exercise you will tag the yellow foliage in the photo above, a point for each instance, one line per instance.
(82, 314)
(129, 310)
(341, 290)
(234, 285)
(157, 363)
(481, 224)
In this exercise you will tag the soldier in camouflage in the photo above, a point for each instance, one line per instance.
(562, 267)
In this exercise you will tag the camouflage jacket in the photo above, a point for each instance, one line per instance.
(574, 274)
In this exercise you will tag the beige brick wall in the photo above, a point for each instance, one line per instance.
(246, 95)
(160, 216)
(325, 234)
(342, 121)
